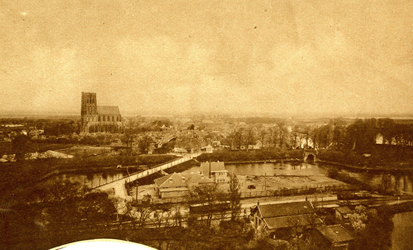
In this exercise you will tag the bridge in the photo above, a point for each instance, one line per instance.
(117, 187)
(310, 155)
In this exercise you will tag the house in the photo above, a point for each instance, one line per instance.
(178, 184)
(216, 171)
(331, 237)
(342, 213)
(209, 149)
(258, 145)
(191, 147)
(273, 218)
(179, 150)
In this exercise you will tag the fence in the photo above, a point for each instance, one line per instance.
(296, 191)
(156, 201)
(305, 190)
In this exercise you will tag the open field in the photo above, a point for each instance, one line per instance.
(279, 182)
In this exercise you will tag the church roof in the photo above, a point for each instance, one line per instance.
(108, 110)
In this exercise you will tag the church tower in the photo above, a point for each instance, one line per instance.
(88, 112)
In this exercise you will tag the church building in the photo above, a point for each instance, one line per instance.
(96, 118)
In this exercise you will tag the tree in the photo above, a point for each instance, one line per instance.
(208, 195)
(128, 139)
(373, 230)
(234, 196)
(139, 213)
(96, 208)
(20, 145)
(161, 215)
(237, 138)
(360, 136)
(144, 143)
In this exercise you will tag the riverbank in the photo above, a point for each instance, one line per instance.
(260, 156)
(287, 160)
(378, 169)
(381, 159)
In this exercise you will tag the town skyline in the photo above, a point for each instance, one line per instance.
(287, 57)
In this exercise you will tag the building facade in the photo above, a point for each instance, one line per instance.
(96, 118)
(216, 171)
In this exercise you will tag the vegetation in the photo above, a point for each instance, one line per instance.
(262, 155)
(64, 212)
(356, 144)
(372, 229)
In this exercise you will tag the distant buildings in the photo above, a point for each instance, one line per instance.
(96, 118)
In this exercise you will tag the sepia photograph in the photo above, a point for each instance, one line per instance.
(204, 124)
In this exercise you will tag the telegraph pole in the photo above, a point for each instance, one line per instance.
(136, 190)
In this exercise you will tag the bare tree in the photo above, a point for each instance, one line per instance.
(234, 196)
(207, 197)
(139, 213)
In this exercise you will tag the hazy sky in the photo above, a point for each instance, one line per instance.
(228, 56)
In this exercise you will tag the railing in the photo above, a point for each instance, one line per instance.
(153, 170)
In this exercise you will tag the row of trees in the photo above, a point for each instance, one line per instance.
(271, 137)
(65, 208)
(362, 135)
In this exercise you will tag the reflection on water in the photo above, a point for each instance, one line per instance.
(88, 180)
(304, 169)
(275, 169)
(399, 183)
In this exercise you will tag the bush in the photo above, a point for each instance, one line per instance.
(259, 155)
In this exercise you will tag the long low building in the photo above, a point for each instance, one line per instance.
(273, 217)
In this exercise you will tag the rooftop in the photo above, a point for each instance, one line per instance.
(344, 210)
(335, 233)
(285, 209)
